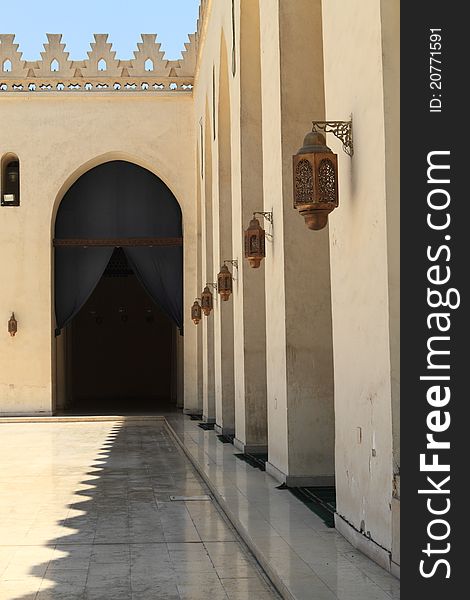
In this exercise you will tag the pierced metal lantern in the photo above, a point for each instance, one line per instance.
(315, 180)
(207, 301)
(224, 283)
(196, 313)
(255, 249)
(12, 325)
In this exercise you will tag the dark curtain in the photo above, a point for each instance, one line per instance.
(77, 272)
(118, 200)
(155, 270)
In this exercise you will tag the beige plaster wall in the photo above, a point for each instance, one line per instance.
(363, 240)
(390, 20)
(57, 138)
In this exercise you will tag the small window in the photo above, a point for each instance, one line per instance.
(102, 65)
(6, 66)
(149, 64)
(54, 65)
(10, 184)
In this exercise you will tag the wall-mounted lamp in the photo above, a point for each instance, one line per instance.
(196, 313)
(255, 247)
(11, 184)
(224, 280)
(12, 325)
(207, 299)
(315, 170)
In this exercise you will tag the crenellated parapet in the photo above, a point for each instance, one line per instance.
(187, 66)
(54, 59)
(148, 56)
(11, 63)
(195, 42)
(102, 71)
(102, 59)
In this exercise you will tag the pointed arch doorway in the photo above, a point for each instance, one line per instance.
(118, 292)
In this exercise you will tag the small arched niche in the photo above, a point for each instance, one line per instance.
(10, 180)
(6, 67)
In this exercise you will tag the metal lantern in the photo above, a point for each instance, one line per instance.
(196, 312)
(11, 192)
(224, 283)
(13, 172)
(255, 249)
(207, 301)
(315, 180)
(12, 325)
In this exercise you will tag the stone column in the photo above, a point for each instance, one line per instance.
(181, 373)
(298, 302)
(223, 316)
(207, 324)
(249, 302)
(198, 405)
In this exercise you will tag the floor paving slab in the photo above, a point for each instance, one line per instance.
(85, 513)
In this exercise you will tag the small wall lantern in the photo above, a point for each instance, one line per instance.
(12, 325)
(196, 312)
(315, 170)
(255, 246)
(11, 182)
(207, 301)
(224, 280)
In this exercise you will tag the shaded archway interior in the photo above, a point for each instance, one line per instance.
(118, 309)
(121, 348)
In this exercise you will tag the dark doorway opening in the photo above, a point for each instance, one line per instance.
(121, 354)
(118, 293)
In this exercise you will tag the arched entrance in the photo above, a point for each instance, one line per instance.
(118, 291)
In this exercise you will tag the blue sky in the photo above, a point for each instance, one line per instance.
(124, 20)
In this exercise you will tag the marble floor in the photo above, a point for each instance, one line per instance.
(86, 512)
(303, 557)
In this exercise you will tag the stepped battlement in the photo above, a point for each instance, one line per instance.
(102, 71)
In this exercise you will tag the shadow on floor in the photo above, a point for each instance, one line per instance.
(125, 539)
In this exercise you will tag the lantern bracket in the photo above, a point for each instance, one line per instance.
(212, 285)
(340, 129)
(267, 215)
(232, 262)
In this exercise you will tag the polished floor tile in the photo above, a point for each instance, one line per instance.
(85, 513)
(305, 558)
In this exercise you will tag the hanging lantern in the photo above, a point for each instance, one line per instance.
(196, 312)
(224, 282)
(207, 301)
(255, 249)
(13, 173)
(315, 180)
(11, 182)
